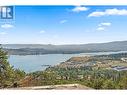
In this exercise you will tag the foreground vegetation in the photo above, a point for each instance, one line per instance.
(8, 75)
(97, 79)
(75, 70)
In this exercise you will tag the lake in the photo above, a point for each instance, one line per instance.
(31, 63)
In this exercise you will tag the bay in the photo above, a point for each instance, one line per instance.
(31, 63)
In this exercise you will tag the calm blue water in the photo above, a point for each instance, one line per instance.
(30, 63)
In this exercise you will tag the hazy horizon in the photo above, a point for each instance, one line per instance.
(64, 44)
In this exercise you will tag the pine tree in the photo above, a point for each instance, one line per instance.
(6, 71)
(9, 77)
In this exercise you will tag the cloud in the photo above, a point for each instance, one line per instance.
(7, 26)
(42, 31)
(109, 12)
(63, 21)
(105, 24)
(3, 33)
(100, 28)
(79, 9)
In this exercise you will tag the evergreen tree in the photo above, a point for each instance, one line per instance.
(6, 71)
(8, 75)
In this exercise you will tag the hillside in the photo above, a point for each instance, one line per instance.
(33, 49)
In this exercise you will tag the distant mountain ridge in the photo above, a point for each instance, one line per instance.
(55, 49)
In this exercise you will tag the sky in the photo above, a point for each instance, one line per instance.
(65, 25)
